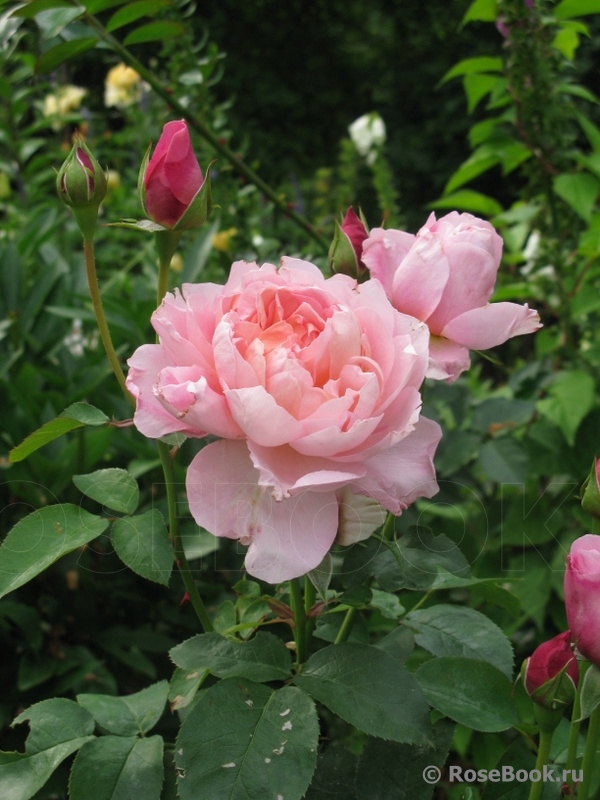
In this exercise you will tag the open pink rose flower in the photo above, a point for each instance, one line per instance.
(445, 276)
(172, 177)
(312, 385)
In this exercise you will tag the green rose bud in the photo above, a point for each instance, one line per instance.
(81, 184)
(590, 500)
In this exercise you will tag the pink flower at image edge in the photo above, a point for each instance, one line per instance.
(582, 596)
(173, 176)
(445, 276)
(312, 385)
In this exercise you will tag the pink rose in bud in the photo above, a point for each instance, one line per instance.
(172, 177)
(312, 385)
(582, 596)
(551, 674)
(346, 248)
(445, 276)
(356, 232)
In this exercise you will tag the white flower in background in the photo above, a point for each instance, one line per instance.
(368, 135)
(76, 343)
(62, 102)
(122, 87)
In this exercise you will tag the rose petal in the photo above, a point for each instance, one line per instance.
(287, 538)
(491, 325)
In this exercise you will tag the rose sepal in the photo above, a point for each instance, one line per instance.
(590, 497)
(199, 208)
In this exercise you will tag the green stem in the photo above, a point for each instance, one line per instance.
(543, 755)
(387, 532)
(571, 762)
(182, 562)
(90, 267)
(310, 597)
(347, 625)
(589, 755)
(221, 148)
(297, 605)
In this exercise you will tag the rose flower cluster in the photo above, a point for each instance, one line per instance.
(312, 384)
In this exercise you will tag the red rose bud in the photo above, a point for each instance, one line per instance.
(81, 184)
(590, 500)
(173, 191)
(551, 674)
(346, 248)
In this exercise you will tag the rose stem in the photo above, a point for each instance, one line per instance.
(542, 759)
(310, 595)
(575, 726)
(90, 267)
(180, 556)
(346, 626)
(297, 604)
(589, 755)
(164, 452)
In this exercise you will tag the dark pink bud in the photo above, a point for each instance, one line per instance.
(172, 177)
(551, 673)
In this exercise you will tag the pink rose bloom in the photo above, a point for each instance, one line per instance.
(172, 177)
(445, 276)
(582, 596)
(312, 385)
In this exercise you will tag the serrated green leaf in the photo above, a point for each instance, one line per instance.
(155, 32)
(96, 6)
(47, 433)
(53, 20)
(469, 66)
(142, 543)
(334, 776)
(113, 488)
(579, 190)
(264, 658)
(566, 42)
(446, 630)
(184, 685)
(369, 689)
(469, 200)
(590, 691)
(86, 414)
(30, 9)
(393, 771)
(478, 86)
(133, 11)
(576, 8)
(73, 417)
(58, 727)
(130, 715)
(118, 768)
(53, 722)
(504, 460)
(62, 52)
(267, 743)
(480, 161)
(41, 538)
(22, 775)
(571, 398)
(481, 11)
(471, 692)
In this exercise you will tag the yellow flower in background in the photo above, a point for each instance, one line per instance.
(222, 239)
(62, 102)
(113, 179)
(122, 87)
(176, 263)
